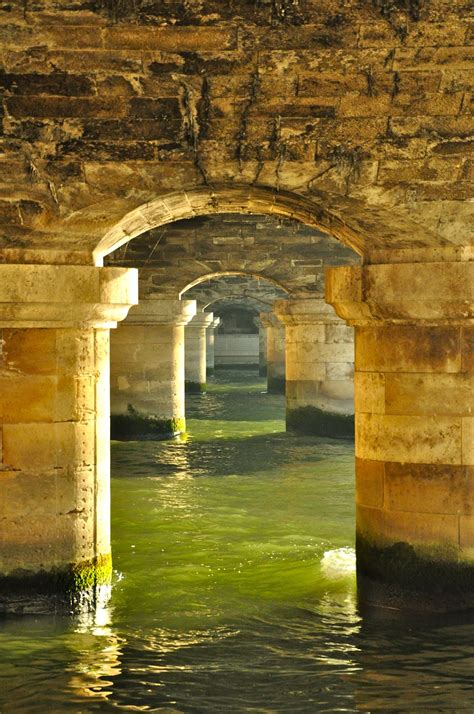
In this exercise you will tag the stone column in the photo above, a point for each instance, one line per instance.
(414, 400)
(147, 370)
(54, 432)
(319, 368)
(275, 352)
(262, 347)
(195, 351)
(210, 344)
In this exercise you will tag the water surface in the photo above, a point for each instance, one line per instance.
(234, 587)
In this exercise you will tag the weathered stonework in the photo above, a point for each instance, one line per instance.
(54, 432)
(147, 371)
(357, 120)
(275, 362)
(414, 393)
(195, 352)
(319, 368)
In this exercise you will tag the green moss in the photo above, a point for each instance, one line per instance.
(195, 387)
(311, 420)
(144, 427)
(276, 385)
(68, 589)
(90, 573)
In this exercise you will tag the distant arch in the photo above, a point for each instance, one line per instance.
(232, 273)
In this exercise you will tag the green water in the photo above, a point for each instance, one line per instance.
(234, 587)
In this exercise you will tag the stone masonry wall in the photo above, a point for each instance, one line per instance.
(363, 107)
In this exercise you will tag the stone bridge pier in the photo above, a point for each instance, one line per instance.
(275, 345)
(414, 400)
(319, 368)
(195, 351)
(210, 345)
(147, 370)
(54, 432)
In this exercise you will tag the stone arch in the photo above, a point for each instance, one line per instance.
(233, 273)
(200, 201)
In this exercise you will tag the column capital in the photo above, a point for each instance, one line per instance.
(158, 311)
(202, 320)
(305, 311)
(65, 296)
(403, 293)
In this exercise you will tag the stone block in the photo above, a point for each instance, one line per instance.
(425, 394)
(400, 348)
(29, 351)
(414, 439)
(170, 39)
(63, 107)
(383, 527)
(429, 488)
(467, 348)
(36, 448)
(369, 392)
(27, 399)
(370, 483)
(468, 440)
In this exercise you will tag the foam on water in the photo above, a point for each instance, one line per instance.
(339, 563)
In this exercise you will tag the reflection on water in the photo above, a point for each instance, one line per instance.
(234, 587)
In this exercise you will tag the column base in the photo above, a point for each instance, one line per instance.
(194, 387)
(136, 426)
(311, 420)
(73, 589)
(397, 577)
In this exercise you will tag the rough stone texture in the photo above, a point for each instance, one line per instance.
(147, 370)
(195, 351)
(414, 400)
(319, 368)
(210, 345)
(275, 362)
(120, 117)
(261, 257)
(54, 433)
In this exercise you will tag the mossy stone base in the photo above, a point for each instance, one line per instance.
(399, 577)
(135, 426)
(210, 370)
(68, 590)
(311, 420)
(262, 370)
(276, 385)
(195, 387)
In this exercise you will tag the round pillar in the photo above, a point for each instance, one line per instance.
(414, 399)
(54, 432)
(319, 368)
(210, 345)
(275, 341)
(195, 351)
(147, 371)
(262, 347)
